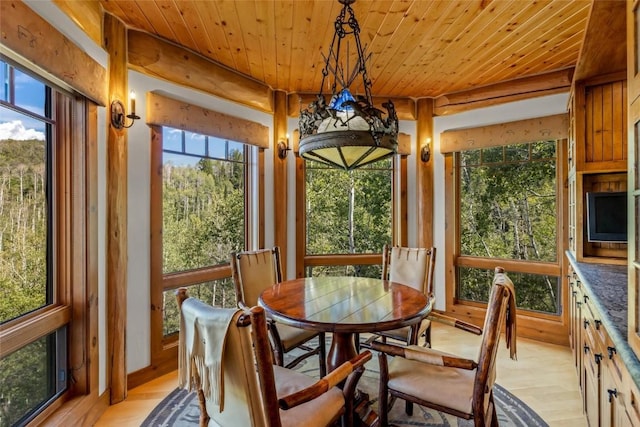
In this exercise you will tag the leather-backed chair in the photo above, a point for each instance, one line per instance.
(255, 271)
(446, 382)
(412, 267)
(248, 389)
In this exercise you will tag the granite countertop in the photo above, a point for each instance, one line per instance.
(607, 287)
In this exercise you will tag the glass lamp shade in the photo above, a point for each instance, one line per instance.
(345, 139)
(347, 149)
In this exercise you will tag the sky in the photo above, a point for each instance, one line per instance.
(29, 94)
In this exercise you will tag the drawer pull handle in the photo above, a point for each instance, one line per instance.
(585, 298)
(611, 351)
(574, 293)
(579, 304)
(597, 358)
(586, 349)
(598, 323)
(612, 393)
(586, 323)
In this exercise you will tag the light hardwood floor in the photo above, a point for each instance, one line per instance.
(543, 377)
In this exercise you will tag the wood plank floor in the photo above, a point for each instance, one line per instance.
(544, 377)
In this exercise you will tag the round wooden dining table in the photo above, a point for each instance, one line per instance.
(344, 306)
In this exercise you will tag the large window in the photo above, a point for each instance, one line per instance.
(42, 213)
(205, 204)
(203, 212)
(508, 210)
(347, 213)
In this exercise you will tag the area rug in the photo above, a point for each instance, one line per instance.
(180, 407)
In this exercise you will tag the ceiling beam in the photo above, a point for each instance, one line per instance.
(508, 91)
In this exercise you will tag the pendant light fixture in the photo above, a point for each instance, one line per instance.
(347, 132)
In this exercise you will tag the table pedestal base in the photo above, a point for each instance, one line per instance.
(342, 350)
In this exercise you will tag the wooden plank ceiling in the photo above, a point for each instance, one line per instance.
(419, 48)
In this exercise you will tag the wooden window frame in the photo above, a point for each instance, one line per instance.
(75, 276)
(399, 178)
(192, 118)
(541, 326)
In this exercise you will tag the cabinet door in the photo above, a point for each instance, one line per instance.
(633, 78)
(591, 384)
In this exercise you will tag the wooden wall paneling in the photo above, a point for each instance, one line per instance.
(160, 59)
(115, 37)
(166, 111)
(619, 121)
(424, 181)
(605, 126)
(280, 181)
(27, 34)
(579, 117)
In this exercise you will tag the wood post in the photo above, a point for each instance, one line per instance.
(115, 40)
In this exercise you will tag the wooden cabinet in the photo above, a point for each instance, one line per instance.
(597, 158)
(610, 395)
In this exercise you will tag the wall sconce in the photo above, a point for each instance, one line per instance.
(425, 151)
(283, 147)
(118, 113)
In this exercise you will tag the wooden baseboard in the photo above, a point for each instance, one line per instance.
(151, 372)
(78, 411)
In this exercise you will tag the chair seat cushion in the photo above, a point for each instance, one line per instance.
(315, 413)
(447, 387)
(291, 337)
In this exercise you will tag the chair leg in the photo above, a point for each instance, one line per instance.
(494, 413)
(322, 354)
(356, 342)
(408, 408)
(383, 392)
(427, 337)
(204, 417)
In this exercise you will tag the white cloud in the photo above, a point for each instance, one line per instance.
(16, 130)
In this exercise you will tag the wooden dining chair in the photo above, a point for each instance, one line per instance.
(255, 271)
(446, 382)
(225, 356)
(412, 267)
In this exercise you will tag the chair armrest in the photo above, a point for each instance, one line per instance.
(456, 323)
(323, 385)
(425, 355)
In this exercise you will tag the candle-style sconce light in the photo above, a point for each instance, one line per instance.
(118, 112)
(283, 147)
(425, 151)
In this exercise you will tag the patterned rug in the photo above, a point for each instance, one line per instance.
(180, 408)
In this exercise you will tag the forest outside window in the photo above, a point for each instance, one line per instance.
(204, 192)
(508, 210)
(347, 213)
